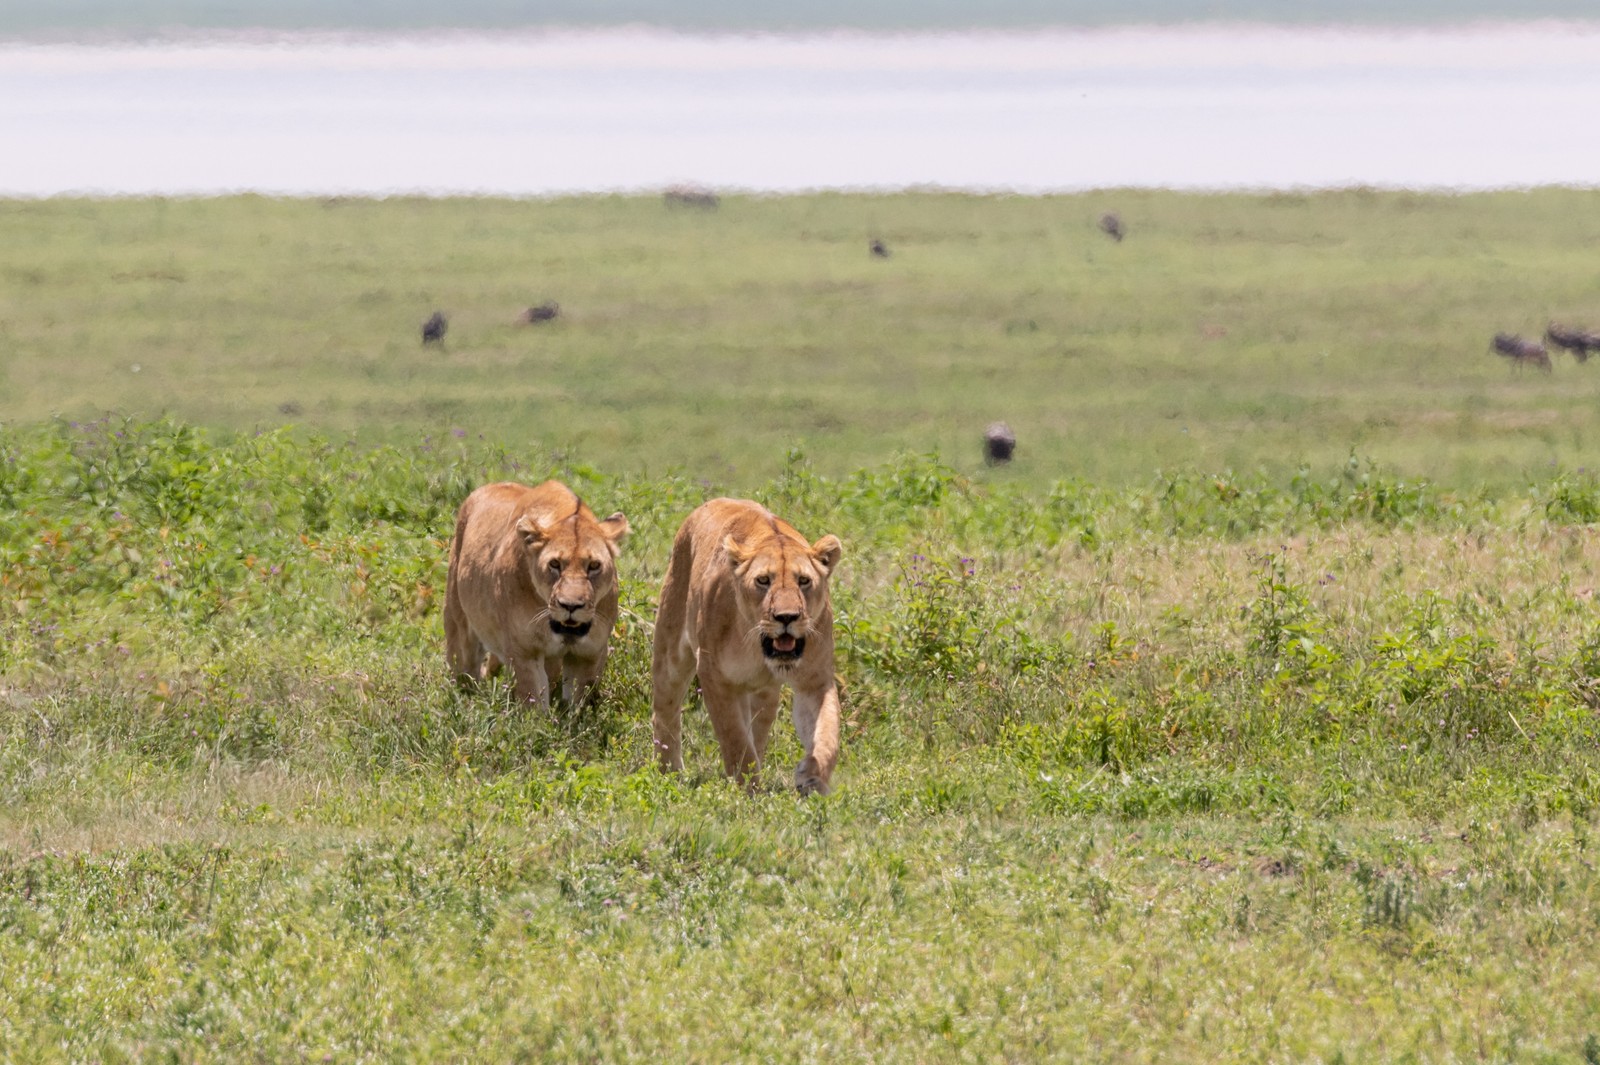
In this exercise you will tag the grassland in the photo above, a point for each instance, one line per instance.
(1240, 332)
(1272, 741)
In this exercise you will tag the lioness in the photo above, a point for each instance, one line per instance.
(532, 584)
(745, 605)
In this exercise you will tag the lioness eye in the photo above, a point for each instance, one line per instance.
(764, 580)
(803, 581)
(555, 565)
(594, 565)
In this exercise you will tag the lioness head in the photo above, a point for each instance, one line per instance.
(573, 564)
(783, 589)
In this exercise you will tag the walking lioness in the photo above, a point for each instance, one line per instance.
(745, 606)
(532, 584)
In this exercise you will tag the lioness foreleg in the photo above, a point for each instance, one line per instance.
(816, 720)
(578, 679)
(730, 720)
(533, 683)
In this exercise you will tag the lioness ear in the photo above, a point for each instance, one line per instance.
(530, 530)
(827, 552)
(615, 530)
(734, 549)
(616, 527)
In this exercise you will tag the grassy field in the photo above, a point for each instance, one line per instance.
(1272, 741)
(1238, 332)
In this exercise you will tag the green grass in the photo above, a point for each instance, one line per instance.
(1235, 332)
(1149, 754)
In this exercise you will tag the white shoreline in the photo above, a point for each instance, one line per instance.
(549, 113)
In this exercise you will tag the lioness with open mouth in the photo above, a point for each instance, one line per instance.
(532, 584)
(746, 607)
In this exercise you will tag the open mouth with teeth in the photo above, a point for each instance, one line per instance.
(571, 630)
(783, 648)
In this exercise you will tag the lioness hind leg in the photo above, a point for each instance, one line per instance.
(763, 711)
(672, 657)
(462, 650)
(670, 672)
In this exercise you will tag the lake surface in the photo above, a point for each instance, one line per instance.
(547, 112)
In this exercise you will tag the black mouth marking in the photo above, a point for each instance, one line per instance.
(572, 630)
(770, 649)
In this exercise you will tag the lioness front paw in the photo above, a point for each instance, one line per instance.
(808, 781)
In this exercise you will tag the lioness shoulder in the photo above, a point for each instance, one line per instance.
(532, 584)
(746, 605)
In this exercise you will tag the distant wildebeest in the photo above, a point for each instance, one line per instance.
(1576, 341)
(433, 330)
(548, 311)
(998, 444)
(879, 249)
(688, 196)
(1111, 226)
(1521, 351)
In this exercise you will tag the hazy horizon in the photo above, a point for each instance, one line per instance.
(597, 111)
(67, 19)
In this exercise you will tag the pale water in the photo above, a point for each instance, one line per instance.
(541, 113)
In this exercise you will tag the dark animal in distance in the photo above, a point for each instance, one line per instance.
(544, 312)
(879, 249)
(1521, 351)
(434, 329)
(1577, 341)
(687, 196)
(1111, 226)
(998, 444)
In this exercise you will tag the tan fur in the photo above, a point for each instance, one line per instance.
(712, 617)
(523, 558)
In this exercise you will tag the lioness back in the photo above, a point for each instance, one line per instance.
(532, 584)
(746, 606)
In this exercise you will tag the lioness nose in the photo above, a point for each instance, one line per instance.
(787, 617)
(569, 605)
